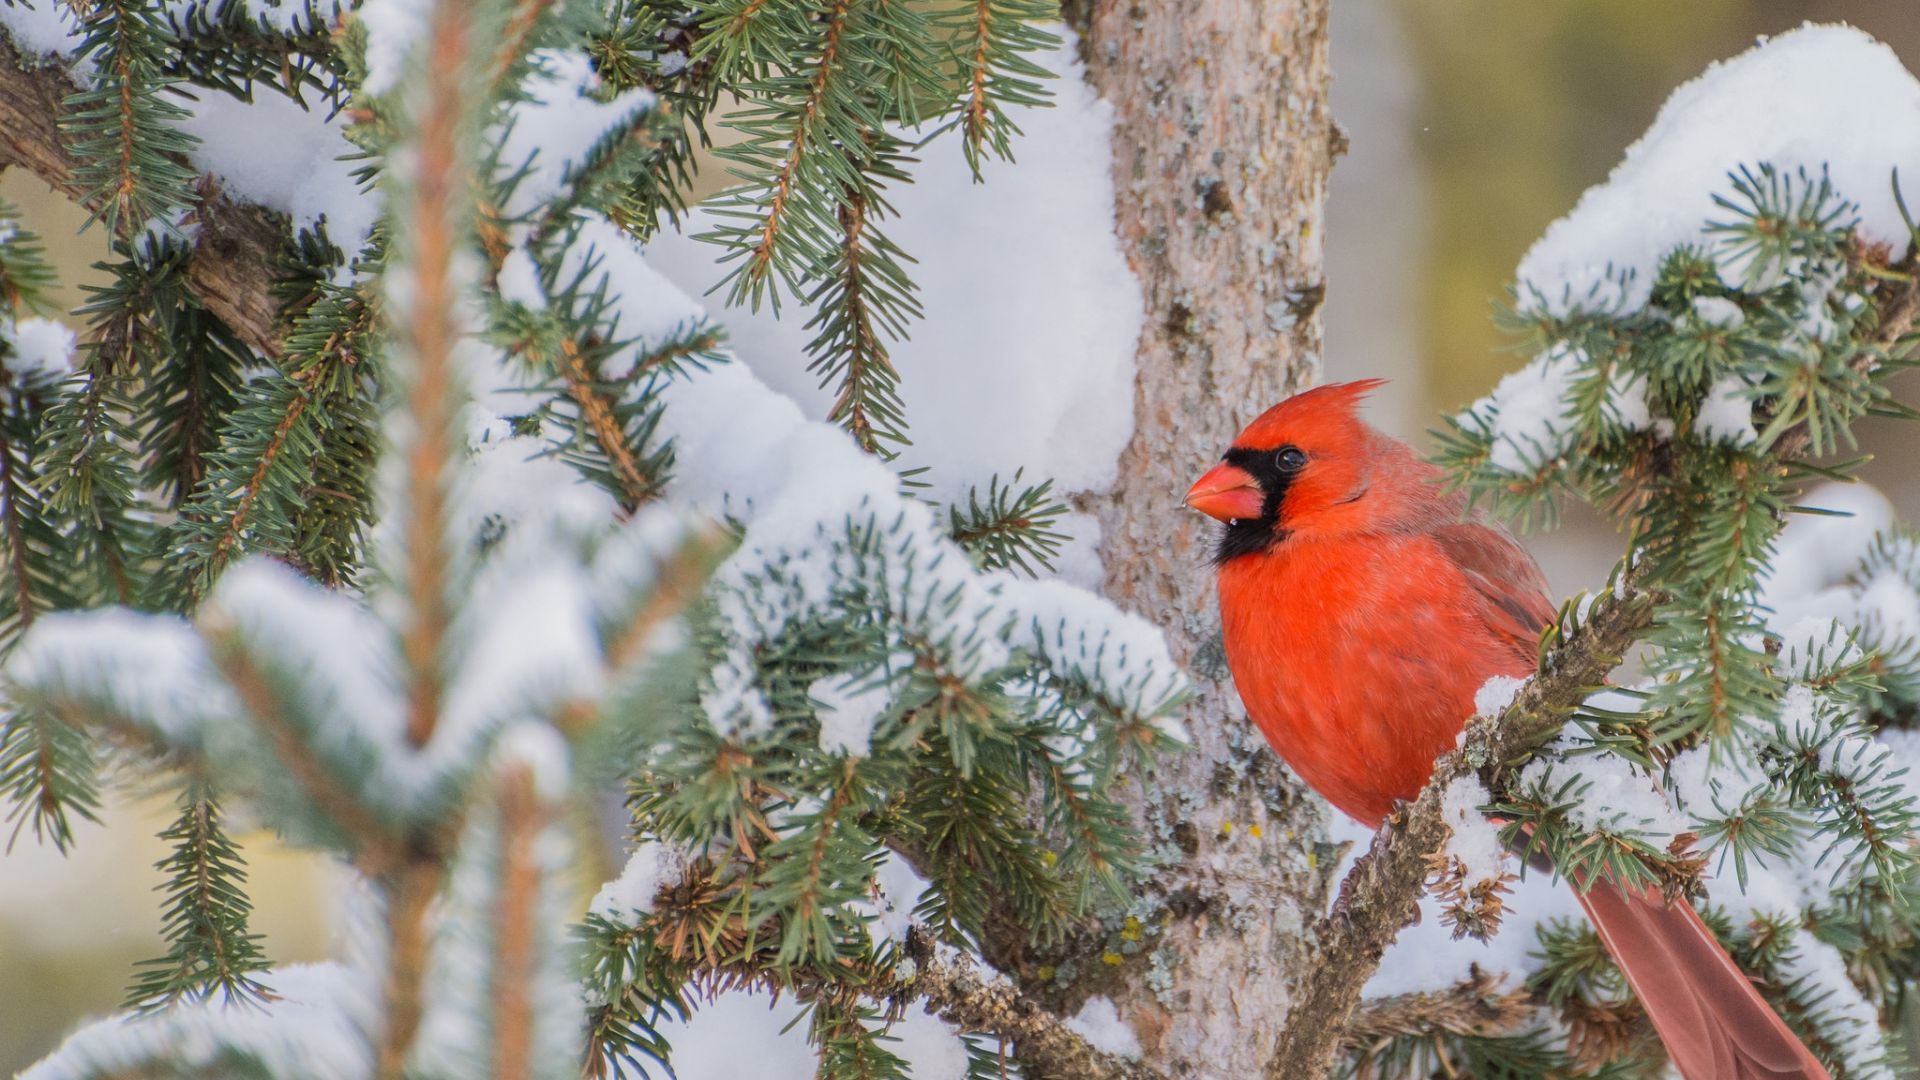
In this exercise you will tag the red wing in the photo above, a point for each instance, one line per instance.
(1506, 577)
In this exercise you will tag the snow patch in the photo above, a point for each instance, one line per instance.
(286, 157)
(1098, 1022)
(897, 892)
(1475, 840)
(1793, 102)
(653, 866)
(1718, 312)
(1815, 553)
(848, 706)
(519, 281)
(1031, 311)
(46, 28)
(311, 1027)
(749, 1033)
(1726, 413)
(550, 134)
(40, 351)
(1496, 694)
(1606, 792)
(394, 27)
(153, 667)
(1528, 417)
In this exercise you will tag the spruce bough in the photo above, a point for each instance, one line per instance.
(222, 471)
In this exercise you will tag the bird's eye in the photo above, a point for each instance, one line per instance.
(1290, 458)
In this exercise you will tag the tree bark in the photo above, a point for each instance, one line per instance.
(1222, 148)
(236, 244)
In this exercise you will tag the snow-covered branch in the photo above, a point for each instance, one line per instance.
(1378, 897)
(233, 267)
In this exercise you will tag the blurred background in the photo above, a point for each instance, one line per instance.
(1473, 123)
(1476, 123)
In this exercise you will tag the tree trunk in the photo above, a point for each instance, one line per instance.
(1222, 148)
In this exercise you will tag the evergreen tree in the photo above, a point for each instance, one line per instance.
(359, 520)
(392, 570)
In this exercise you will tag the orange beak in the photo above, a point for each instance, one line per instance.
(1227, 492)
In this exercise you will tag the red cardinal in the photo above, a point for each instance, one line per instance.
(1362, 608)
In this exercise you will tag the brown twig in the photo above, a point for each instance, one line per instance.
(696, 928)
(434, 221)
(635, 486)
(516, 926)
(1475, 1006)
(760, 258)
(678, 579)
(410, 894)
(236, 526)
(513, 41)
(977, 73)
(19, 553)
(868, 365)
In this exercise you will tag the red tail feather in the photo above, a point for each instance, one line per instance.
(1714, 1023)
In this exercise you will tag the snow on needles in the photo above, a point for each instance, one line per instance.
(1496, 694)
(36, 350)
(287, 157)
(272, 150)
(311, 1027)
(1807, 576)
(161, 670)
(45, 28)
(1475, 840)
(1031, 312)
(848, 707)
(1726, 414)
(1530, 420)
(1792, 101)
(812, 502)
(550, 134)
(653, 866)
(748, 1033)
(1098, 1022)
(1082, 634)
(394, 27)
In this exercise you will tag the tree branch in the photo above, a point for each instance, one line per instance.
(949, 985)
(635, 485)
(1476, 1005)
(1379, 895)
(376, 848)
(232, 269)
(409, 894)
(516, 925)
(958, 994)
